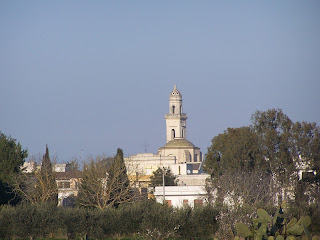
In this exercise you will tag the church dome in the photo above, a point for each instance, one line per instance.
(175, 93)
(179, 143)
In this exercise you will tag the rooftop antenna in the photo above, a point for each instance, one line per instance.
(81, 155)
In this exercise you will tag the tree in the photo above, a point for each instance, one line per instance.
(117, 177)
(306, 143)
(73, 165)
(157, 178)
(274, 130)
(104, 182)
(11, 160)
(40, 185)
(235, 150)
(272, 145)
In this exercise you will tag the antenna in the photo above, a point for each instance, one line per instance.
(146, 147)
(81, 155)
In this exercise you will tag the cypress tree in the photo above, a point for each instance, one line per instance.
(49, 191)
(118, 179)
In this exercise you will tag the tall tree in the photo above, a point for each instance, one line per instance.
(48, 185)
(306, 143)
(12, 157)
(40, 185)
(117, 176)
(274, 130)
(272, 144)
(235, 150)
(104, 183)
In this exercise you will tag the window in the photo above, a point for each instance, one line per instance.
(179, 170)
(173, 109)
(185, 202)
(198, 202)
(64, 184)
(181, 109)
(196, 157)
(173, 134)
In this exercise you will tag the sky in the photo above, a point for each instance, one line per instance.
(87, 77)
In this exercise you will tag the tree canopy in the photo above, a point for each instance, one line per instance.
(157, 178)
(12, 157)
(272, 143)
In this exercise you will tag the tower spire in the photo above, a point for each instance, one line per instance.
(176, 119)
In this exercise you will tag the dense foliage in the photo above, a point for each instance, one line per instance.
(11, 159)
(157, 178)
(273, 143)
(141, 220)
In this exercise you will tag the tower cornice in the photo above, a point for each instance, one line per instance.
(182, 116)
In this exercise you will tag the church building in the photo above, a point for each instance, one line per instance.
(180, 155)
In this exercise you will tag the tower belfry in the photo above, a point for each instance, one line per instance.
(176, 119)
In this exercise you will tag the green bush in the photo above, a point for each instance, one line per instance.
(141, 220)
(197, 223)
(6, 221)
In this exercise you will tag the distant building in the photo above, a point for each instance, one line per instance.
(29, 167)
(180, 155)
(180, 196)
(61, 167)
(68, 187)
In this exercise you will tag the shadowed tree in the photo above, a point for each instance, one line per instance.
(237, 149)
(11, 159)
(274, 130)
(157, 178)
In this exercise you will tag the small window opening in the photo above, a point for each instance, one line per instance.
(173, 109)
(173, 134)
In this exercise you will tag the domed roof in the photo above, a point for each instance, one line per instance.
(179, 143)
(175, 93)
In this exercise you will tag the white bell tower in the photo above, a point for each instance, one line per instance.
(176, 119)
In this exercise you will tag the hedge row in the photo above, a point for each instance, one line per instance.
(144, 220)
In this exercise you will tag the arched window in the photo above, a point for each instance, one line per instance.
(181, 109)
(173, 109)
(196, 157)
(173, 134)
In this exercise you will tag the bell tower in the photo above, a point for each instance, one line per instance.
(176, 119)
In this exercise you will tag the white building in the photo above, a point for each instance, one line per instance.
(180, 155)
(179, 196)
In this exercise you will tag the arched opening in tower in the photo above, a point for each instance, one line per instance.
(173, 134)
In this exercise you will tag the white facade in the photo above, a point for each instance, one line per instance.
(60, 167)
(179, 196)
(29, 167)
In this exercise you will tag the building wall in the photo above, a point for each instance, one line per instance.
(147, 163)
(179, 196)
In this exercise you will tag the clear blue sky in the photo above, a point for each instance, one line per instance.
(96, 75)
